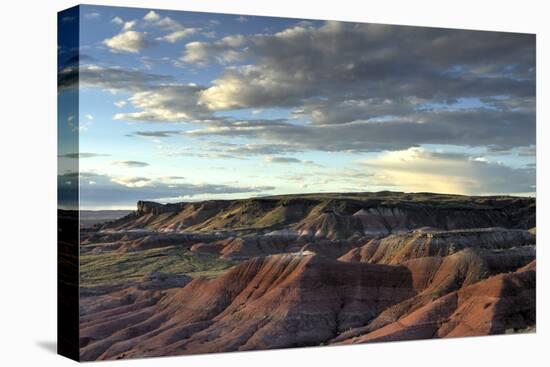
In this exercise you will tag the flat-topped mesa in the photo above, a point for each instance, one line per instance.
(334, 216)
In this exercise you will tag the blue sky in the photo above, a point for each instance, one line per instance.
(181, 106)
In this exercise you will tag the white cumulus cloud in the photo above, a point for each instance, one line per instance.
(151, 16)
(129, 41)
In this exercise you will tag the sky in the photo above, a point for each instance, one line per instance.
(184, 106)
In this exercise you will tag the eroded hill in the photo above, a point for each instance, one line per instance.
(306, 270)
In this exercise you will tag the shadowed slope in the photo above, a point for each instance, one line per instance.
(491, 306)
(436, 276)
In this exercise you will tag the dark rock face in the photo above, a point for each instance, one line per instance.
(150, 207)
(146, 207)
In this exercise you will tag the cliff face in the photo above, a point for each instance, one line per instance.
(150, 207)
(334, 216)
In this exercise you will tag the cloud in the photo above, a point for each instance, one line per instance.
(349, 87)
(68, 19)
(285, 160)
(177, 31)
(130, 164)
(83, 126)
(171, 178)
(282, 160)
(119, 190)
(156, 100)
(225, 150)
(225, 50)
(197, 53)
(151, 16)
(378, 82)
(156, 134)
(473, 128)
(132, 182)
(530, 151)
(117, 20)
(129, 25)
(82, 155)
(417, 169)
(109, 78)
(178, 35)
(337, 110)
(92, 15)
(252, 149)
(208, 155)
(127, 41)
(169, 24)
(120, 103)
(173, 103)
(132, 41)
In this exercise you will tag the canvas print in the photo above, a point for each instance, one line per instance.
(233, 183)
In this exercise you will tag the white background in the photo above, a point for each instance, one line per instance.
(28, 182)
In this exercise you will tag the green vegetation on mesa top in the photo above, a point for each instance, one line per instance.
(111, 267)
